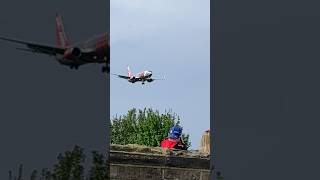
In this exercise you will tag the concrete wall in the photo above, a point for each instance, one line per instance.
(140, 166)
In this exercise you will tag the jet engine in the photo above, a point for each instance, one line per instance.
(72, 53)
(132, 79)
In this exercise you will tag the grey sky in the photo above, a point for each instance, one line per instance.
(171, 38)
(47, 108)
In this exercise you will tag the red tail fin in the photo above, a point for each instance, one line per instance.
(62, 40)
(129, 72)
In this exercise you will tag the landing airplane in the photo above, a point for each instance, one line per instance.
(142, 76)
(94, 50)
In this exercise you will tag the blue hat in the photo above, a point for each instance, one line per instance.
(175, 132)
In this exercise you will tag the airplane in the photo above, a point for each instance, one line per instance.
(142, 76)
(94, 50)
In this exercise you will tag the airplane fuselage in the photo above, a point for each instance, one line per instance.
(142, 76)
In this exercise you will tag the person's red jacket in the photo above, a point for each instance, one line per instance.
(173, 144)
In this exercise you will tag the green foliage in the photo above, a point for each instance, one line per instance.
(46, 174)
(20, 171)
(144, 127)
(185, 138)
(70, 165)
(99, 169)
(34, 175)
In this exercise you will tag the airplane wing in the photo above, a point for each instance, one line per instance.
(164, 78)
(158, 79)
(121, 76)
(37, 48)
(153, 79)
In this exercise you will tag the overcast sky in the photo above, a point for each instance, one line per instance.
(171, 38)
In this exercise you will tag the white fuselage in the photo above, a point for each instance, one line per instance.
(142, 76)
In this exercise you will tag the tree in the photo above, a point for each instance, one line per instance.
(46, 174)
(78, 159)
(34, 175)
(98, 170)
(20, 172)
(70, 165)
(144, 127)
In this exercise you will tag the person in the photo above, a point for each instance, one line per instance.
(174, 139)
